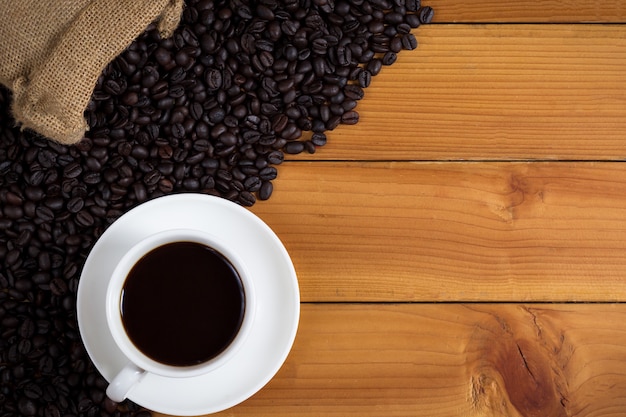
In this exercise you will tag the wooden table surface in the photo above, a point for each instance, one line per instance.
(461, 251)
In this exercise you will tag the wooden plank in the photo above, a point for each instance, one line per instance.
(455, 231)
(528, 11)
(495, 92)
(451, 360)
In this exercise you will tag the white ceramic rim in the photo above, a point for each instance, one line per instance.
(118, 278)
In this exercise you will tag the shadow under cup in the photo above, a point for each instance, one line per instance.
(179, 304)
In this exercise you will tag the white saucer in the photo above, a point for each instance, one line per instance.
(277, 313)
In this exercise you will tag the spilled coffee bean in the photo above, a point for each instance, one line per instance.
(213, 109)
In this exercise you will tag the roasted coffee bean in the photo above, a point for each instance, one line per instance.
(47, 158)
(403, 28)
(27, 407)
(412, 5)
(27, 328)
(365, 79)
(44, 214)
(92, 178)
(84, 218)
(426, 15)
(374, 66)
(275, 157)
(196, 110)
(412, 20)
(266, 190)
(409, 42)
(354, 92)
(252, 183)
(33, 391)
(268, 173)
(246, 198)
(344, 55)
(195, 158)
(165, 185)
(178, 130)
(213, 78)
(389, 58)
(350, 118)
(72, 170)
(216, 115)
(13, 212)
(318, 139)
(112, 87)
(294, 147)
(52, 410)
(75, 204)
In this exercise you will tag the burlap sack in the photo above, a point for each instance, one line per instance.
(53, 51)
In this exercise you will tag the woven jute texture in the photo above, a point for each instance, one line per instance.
(52, 53)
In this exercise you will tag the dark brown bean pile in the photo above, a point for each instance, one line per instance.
(211, 110)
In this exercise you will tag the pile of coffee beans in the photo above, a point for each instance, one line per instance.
(213, 110)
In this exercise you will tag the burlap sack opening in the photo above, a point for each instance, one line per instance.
(52, 53)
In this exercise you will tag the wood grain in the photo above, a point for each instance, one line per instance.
(550, 231)
(554, 11)
(495, 92)
(505, 360)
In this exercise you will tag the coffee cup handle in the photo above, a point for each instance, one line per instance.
(124, 381)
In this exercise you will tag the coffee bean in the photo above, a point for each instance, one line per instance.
(27, 328)
(266, 190)
(318, 139)
(27, 407)
(73, 240)
(33, 391)
(75, 204)
(344, 55)
(112, 87)
(389, 58)
(265, 59)
(84, 218)
(92, 178)
(374, 66)
(46, 158)
(426, 15)
(216, 115)
(165, 185)
(275, 157)
(52, 410)
(213, 78)
(412, 20)
(350, 118)
(23, 285)
(268, 173)
(409, 42)
(13, 212)
(354, 92)
(294, 147)
(178, 131)
(44, 214)
(246, 198)
(196, 110)
(364, 79)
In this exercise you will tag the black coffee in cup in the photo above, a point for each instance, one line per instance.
(182, 303)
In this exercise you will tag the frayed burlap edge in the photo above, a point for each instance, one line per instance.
(52, 98)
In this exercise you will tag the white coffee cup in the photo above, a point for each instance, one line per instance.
(139, 364)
